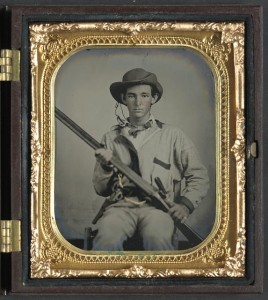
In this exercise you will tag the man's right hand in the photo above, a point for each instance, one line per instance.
(104, 156)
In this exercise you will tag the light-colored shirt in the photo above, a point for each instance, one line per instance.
(162, 151)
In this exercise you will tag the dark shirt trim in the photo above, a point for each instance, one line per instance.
(159, 124)
(161, 163)
(187, 203)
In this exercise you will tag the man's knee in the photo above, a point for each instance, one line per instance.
(154, 241)
(158, 222)
(108, 240)
(113, 230)
(157, 231)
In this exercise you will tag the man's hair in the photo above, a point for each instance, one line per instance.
(154, 90)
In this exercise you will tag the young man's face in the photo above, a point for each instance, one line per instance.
(138, 100)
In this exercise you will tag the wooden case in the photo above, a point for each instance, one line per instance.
(18, 145)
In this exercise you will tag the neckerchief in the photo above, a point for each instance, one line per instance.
(133, 131)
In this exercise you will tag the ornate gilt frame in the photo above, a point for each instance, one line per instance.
(223, 252)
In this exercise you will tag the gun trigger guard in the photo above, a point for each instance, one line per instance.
(116, 196)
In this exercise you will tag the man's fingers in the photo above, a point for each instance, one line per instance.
(178, 215)
(179, 212)
(172, 210)
(183, 220)
(104, 156)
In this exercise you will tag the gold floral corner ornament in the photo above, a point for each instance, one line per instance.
(219, 255)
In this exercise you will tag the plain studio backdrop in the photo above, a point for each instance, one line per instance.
(82, 93)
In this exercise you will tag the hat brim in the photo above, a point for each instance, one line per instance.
(118, 88)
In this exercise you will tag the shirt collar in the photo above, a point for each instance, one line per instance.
(149, 123)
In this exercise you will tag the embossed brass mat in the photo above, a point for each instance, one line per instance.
(222, 253)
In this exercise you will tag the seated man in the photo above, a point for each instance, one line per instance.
(153, 150)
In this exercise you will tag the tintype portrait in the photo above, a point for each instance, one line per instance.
(137, 150)
(154, 109)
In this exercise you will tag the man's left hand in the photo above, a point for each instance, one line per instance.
(179, 212)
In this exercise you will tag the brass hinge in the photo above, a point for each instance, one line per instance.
(9, 65)
(10, 238)
(253, 150)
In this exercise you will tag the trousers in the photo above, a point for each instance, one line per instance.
(155, 227)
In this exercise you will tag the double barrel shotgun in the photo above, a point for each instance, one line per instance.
(156, 196)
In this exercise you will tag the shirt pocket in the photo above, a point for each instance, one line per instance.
(162, 170)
